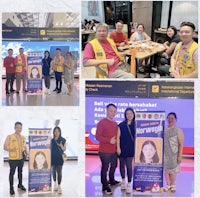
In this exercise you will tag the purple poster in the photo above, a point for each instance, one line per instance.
(40, 160)
(148, 168)
(34, 73)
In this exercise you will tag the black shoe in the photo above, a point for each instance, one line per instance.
(113, 183)
(17, 92)
(20, 186)
(107, 190)
(12, 90)
(55, 89)
(12, 192)
(25, 91)
(7, 93)
(59, 91)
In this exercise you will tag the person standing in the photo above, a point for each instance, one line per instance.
(58, 146)
(173, 150)
(9, 64)
(126, 147)
(46, 70)
(106, 134)
(58, 68)
(69, 72)
(21, 68)
(15, 144)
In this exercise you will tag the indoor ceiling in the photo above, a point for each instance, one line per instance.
(48, 20)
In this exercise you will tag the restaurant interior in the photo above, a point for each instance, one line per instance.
(156, 16)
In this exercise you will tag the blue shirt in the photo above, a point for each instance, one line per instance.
(56, 151)
(127, 145)
(46, 62)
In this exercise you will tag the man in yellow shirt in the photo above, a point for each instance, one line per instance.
(58, 68)
(15, 144)
(184, 61)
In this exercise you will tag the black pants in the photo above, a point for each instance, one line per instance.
(47, 81)
(58, 76)
(58, 170)
(126, 161)
(9, 81)
(13, 165)
(108, 161)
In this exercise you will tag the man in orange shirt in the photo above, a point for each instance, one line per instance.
(119, 37)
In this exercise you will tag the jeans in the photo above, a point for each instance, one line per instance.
(108, 160)
(13, 164)
(47, 81)
(58, 170)
(58, 76)
(126, 161)
(9, 81)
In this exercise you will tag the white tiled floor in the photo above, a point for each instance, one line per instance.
(70, 181)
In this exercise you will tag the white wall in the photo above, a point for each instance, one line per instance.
(181, 11)
(86, 14)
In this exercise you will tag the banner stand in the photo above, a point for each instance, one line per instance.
(148, 166)
(39, 180)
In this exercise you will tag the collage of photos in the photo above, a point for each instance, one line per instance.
(40, 99)
(140, 65)
(99, 98)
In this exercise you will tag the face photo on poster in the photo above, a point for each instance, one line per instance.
(149, 150)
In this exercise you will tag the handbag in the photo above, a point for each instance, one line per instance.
(24, 155)
(64, 155)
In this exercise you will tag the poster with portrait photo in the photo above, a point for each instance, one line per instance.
(148, 169)
(34, 82)
(39, 160)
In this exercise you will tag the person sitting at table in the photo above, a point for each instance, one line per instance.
(84, 24)
(102, 53)
(140, 36)
(119, 37)
(184, 61)
(163, 59)
(92, 25)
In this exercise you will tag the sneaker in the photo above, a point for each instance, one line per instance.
(12, 192)
(123, 187)
(21, 187)
(55, 187)
(59, 190)
(107, 190)
(113, 183)
(128, 189)
(55, 89)
(48, 92)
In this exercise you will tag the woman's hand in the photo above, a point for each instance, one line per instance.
(118, 151)
(179, 159)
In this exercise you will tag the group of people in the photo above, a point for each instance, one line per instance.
(17, 68)
(180, 54)
(15, 144)
(118, 141)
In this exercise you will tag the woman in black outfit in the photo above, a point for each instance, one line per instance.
(58, 146)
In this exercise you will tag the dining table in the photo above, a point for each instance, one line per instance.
(142, 50)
